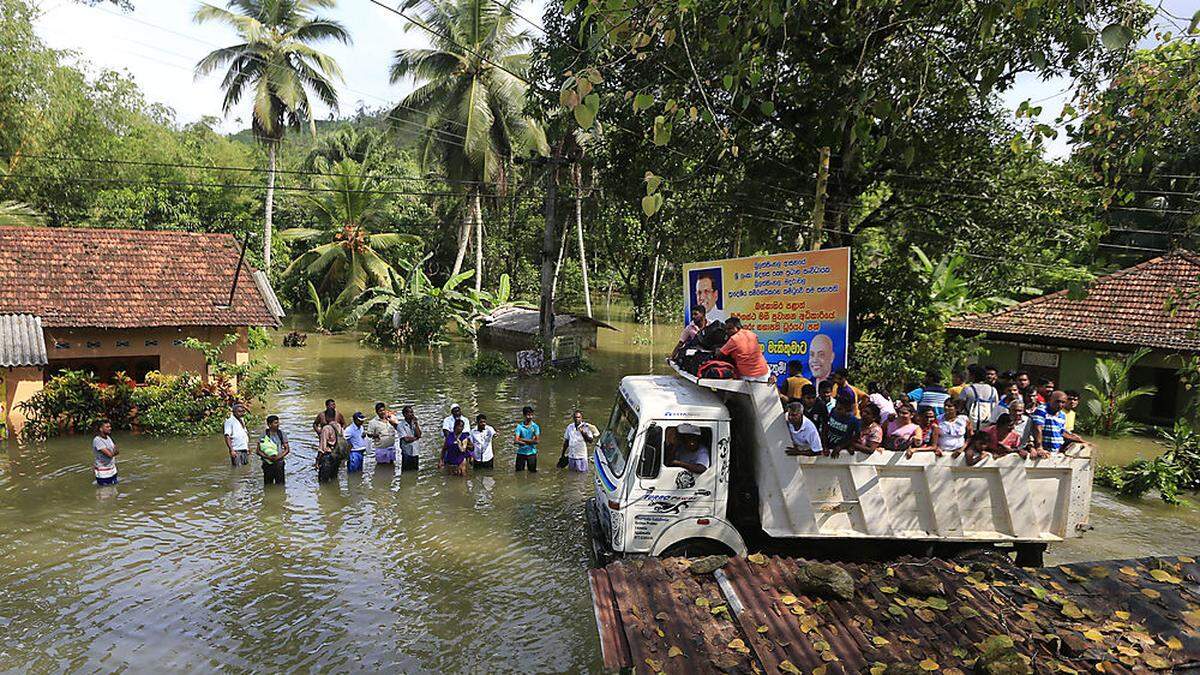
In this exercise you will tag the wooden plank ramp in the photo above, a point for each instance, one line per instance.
(910, 615)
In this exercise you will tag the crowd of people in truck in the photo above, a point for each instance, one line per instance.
(970, 418)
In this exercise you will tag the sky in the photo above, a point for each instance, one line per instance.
(158, 45)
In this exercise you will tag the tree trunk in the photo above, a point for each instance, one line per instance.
(477, 212)
(653, 286)
(587, 293)
(464, 234)
(267, 225)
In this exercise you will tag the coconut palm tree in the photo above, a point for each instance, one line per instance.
(347, 142)
(469, 100)
(276, 64)
(349, 204)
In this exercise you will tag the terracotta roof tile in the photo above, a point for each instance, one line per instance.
(103, 278)
(1129, 308)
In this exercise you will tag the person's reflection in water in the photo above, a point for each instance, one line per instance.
(106, 493)
(688, 451)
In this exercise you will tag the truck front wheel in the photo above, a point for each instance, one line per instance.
(696, 548)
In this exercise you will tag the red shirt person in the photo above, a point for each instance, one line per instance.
(742, 349)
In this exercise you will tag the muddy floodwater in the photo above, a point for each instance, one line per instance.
(189, 564)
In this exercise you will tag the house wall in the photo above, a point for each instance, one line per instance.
(19, 384)
(131, 343)
(1077, 368)
(97, 343)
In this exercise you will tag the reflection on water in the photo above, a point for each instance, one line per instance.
(190, 564)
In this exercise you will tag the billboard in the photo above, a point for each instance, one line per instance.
(798, 304)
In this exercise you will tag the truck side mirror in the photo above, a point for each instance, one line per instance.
(651, 458)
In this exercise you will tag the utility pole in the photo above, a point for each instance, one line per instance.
(549, 239)
(818, 215)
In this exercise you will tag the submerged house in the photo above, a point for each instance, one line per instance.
(110, 301)
(1155, 305)
(519, 328)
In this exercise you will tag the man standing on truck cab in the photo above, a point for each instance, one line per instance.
(805, 438)
(687, 451)
(690, 331)
(744, 352)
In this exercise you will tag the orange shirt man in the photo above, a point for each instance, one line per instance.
(742, 349)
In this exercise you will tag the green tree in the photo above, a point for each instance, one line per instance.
(469, 100)
(277, 64)
(1112, 396)
(345, 254)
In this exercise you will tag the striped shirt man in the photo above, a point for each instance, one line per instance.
(1052, 424)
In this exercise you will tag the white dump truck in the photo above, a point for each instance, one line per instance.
(756, 496)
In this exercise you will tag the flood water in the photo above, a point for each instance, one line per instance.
(189, 564)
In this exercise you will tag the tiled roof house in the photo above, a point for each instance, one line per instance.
(1155, 304)
(111, 300)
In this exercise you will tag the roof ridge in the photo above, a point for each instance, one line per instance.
(130, 230)
(1105, 278)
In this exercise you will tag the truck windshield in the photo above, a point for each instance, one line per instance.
(617, 439)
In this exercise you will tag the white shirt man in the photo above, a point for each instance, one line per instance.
(481, 440)
(235, 429)
(805, 437)
(454, 416)
(576, 441)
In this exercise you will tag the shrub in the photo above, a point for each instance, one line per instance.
(74, 402)
(489, 364)
(184, 404)
(259, 338)
(421, 320)
(1174, 470)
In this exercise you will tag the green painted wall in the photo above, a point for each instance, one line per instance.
(1077, 368)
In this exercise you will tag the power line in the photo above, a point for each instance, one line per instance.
(212, 167)
(244, 186)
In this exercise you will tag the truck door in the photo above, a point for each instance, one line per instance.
(668, 470)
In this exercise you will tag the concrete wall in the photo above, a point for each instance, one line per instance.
(94, 343)
(165, 343)
(19, 385)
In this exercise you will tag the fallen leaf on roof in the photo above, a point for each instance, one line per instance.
(1121, 614)
(757, 558)
(738, 645)
(1093, 634)
(929, 665)
(1151, 593)
(1165, 577)
(788, 599)
(789, 667)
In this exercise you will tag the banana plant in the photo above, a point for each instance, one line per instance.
(330, 318)
(949, 293)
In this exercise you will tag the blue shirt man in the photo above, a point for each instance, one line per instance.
(527, 436)
(355, 435)
(1050, 424)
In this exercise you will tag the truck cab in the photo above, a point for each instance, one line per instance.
(753, 492)
(645, 503)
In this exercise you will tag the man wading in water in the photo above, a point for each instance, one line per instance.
(105, 452)
(237, 438)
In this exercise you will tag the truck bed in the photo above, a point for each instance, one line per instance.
(885, 495)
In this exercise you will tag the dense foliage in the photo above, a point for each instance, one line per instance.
(1170, 473)
(185, 404)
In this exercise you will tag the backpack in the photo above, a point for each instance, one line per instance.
(691, 360)
(716, 370)
(980, 411)
(341, 449)
(713, 337)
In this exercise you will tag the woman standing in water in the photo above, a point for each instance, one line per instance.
(456, 451)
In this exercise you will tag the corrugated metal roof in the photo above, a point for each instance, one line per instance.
(21, 341)
(1119, 616)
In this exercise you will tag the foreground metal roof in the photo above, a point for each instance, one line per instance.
(908, 616)
(21, 341)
